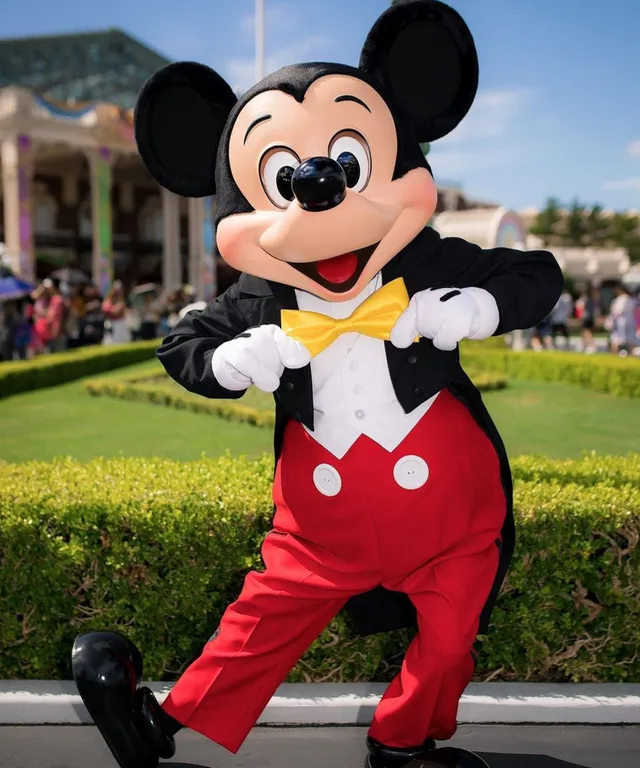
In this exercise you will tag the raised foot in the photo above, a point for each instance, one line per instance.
(106, 668)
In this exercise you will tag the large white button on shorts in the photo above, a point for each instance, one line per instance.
(411, 472)
(327, 479)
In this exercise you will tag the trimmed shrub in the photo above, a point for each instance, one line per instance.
(51, 370)
(159, 549)
(602, 373)
(159, 389)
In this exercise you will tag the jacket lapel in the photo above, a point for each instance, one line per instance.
(296, 387)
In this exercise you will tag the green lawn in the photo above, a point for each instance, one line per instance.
(533, 417)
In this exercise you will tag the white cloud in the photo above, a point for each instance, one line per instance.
(472, 146)
(491, 115)
(457, 163)
(241, 72)
(634, 148)
(283, 21)
(623, 185)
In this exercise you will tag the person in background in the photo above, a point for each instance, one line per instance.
(75, 313)
(7, 319)
(92, 326)
(587, 308)
(114, 308)
(621, 322)
(56, 316)
(541, 338)
(21, 331)
(151, 317)
(560, 315)
(41, 333)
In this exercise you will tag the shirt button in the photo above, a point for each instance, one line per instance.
(290, 386)
(412, 359)
(418, 392)
(357, 390)
(327, 480)
(353, 365)
(297, 416)
(359, 414)
(411, 472)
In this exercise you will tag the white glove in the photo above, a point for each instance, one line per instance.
(258, 356)
(447, 315)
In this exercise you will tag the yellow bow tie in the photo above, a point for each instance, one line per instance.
(375, 317)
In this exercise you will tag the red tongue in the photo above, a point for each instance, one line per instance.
(339, 269)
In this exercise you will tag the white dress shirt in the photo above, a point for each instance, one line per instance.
(352, 390)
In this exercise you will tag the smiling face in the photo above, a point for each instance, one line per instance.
(319, 175)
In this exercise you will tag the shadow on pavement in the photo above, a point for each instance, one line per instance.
(496, 760)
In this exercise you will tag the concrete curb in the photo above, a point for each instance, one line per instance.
(36, 702)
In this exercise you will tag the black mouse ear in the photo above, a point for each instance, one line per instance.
(423, 51)
(178, 120)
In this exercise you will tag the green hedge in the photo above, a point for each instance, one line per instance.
(50, 370)
(158, 389)
(160, 548)
(603, 373)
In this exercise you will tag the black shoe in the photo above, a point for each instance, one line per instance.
(449, 757)
(381, 756)
(106, 668)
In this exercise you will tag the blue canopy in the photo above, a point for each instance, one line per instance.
(14, 288)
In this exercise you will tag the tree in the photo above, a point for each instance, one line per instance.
(624, 232)
(597, 226)
(574, 226)
(546, 221)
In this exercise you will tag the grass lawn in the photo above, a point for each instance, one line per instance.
(533, 417)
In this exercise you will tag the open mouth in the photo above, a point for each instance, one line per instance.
(340, 273)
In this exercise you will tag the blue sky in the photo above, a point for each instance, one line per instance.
(557, 113)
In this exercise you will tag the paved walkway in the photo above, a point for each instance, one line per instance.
(502, 746)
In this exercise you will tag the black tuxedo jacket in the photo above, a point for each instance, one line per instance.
(525, 285)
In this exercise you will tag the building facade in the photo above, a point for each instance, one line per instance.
(74, 190)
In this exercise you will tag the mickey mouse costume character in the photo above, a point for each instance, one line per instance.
(392, 488)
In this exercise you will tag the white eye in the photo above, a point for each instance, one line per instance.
(351, 151)
(276, 171)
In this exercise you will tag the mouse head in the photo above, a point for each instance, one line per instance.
(318, 171)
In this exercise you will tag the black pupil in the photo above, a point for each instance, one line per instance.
(350, 166)
(283, 182)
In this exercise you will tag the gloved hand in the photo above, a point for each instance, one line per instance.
(447, 315)
(258, 356)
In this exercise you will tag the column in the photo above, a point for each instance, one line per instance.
(17, 177)
(196, 242)
(171, 259)
(100, 162)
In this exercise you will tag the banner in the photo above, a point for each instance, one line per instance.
(209, 280)
(27, 259)
(103, 264)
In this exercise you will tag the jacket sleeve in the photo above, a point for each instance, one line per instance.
(525, 284)
(187, 351)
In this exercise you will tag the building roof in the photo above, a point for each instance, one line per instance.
(108, 66)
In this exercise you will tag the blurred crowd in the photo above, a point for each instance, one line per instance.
(58, 316)
(584, 315)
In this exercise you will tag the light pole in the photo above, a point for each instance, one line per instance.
(259, 40)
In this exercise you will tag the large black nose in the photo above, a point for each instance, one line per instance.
(319, 184)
